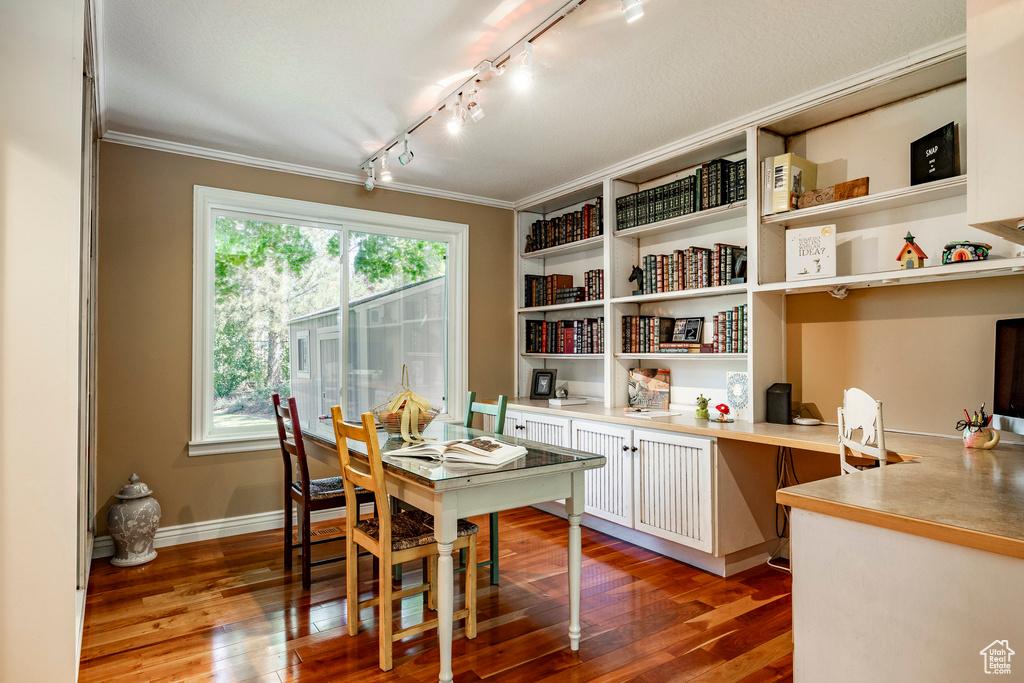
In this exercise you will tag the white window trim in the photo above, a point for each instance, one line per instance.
(207, 201)
(299, 372)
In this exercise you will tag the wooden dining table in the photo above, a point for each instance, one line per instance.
(453, 491)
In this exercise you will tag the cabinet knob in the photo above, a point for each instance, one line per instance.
(625, 448)
(635, 449)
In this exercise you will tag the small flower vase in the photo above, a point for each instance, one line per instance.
(132, 523)
(982, 438)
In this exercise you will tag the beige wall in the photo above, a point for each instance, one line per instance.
(40, 228)
(926, 351)
(145, 323)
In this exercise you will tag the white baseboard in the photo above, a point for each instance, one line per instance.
(220, 528)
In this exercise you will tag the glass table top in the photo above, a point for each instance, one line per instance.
(537, 455)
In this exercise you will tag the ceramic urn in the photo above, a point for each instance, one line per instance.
(132, 523)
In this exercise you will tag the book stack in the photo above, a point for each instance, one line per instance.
(730, 328)
(549, 290)
(713, 184)
(541, 290)
(570, 227)
(565, 336)
(691, 268)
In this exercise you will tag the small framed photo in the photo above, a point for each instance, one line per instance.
(689, 330)
(542, 384)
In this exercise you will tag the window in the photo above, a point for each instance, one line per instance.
(269, 278)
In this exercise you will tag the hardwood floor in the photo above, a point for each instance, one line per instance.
(225, 610)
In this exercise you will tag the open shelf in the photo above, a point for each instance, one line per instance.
(950, 271)
(573, 356)
(700, 293)
(595, 242)
(690, 220)
(893, 199)
(597, 303)
(684, 356)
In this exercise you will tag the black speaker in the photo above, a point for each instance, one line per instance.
(779, 401)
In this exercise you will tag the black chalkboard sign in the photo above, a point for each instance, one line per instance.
(933, 157)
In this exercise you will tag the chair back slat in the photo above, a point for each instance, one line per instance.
(293, 446)
(497, 410)
(860, 411)
(374, 481)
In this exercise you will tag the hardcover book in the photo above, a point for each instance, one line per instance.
(648, 388)
(810, 253)
(791, 176)
(933, 157)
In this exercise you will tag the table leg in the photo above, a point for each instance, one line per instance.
(574, 510)
(445, 587)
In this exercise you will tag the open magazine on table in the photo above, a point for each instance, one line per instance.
(481, 450)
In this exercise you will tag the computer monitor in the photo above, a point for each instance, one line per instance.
(1009, 368)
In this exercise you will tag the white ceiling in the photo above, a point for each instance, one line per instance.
(324, 84)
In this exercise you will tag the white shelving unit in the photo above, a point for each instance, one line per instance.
(857, 130)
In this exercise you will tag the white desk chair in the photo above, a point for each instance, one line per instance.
(860, 411)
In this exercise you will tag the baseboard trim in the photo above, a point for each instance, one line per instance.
(103, 546)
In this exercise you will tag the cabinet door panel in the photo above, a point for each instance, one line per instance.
(553, 431)
(609, 489)
(672, 488)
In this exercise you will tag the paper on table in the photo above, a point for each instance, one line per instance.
(647, 415)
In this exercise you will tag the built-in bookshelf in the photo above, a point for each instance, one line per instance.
(858, 130)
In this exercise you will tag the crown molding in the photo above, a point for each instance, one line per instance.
(944, 50)
(296, 169)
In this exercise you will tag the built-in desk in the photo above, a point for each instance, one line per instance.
(925, 556)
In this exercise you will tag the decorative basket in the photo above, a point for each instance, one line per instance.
(405, 413)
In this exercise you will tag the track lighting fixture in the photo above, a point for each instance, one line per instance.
(370, 182)
(476, 112)
(524, 74)
(633, 9)
(458, 117)
(406, 156)
(385, 172)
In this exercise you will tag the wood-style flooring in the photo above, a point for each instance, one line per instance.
(225, 610)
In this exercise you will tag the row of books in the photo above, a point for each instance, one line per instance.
(730, 330)
(570, 227)
(694, 268)
(593, 290)
(565, 336)
(714, 184)
(656, 334)
(548, 290)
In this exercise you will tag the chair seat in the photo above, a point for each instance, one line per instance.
(411, 529)
(320, 489)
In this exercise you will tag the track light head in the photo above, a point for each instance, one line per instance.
(632, 9)
(370, 182)
(458, 117)
(524, 74)
(385, 171)
(476, 112)
(406, 156)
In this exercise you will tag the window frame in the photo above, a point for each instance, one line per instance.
(302, 336)
(210, 201)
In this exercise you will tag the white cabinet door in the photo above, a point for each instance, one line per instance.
(673, 488)
(553, 431)
(609, 489)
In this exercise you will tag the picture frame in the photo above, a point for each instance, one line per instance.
(688, 330)
(542, 383)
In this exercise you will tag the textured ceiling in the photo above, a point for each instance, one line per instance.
(324, 84)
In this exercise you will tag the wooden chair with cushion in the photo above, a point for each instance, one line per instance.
(497, 410)
(860, 411)
(308, 494)
(393, 539)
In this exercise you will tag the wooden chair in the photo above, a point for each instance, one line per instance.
(498, 411)
(860, 411)
(393, 539)
(308, 494)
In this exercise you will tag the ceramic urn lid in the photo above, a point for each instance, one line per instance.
(133, 489)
